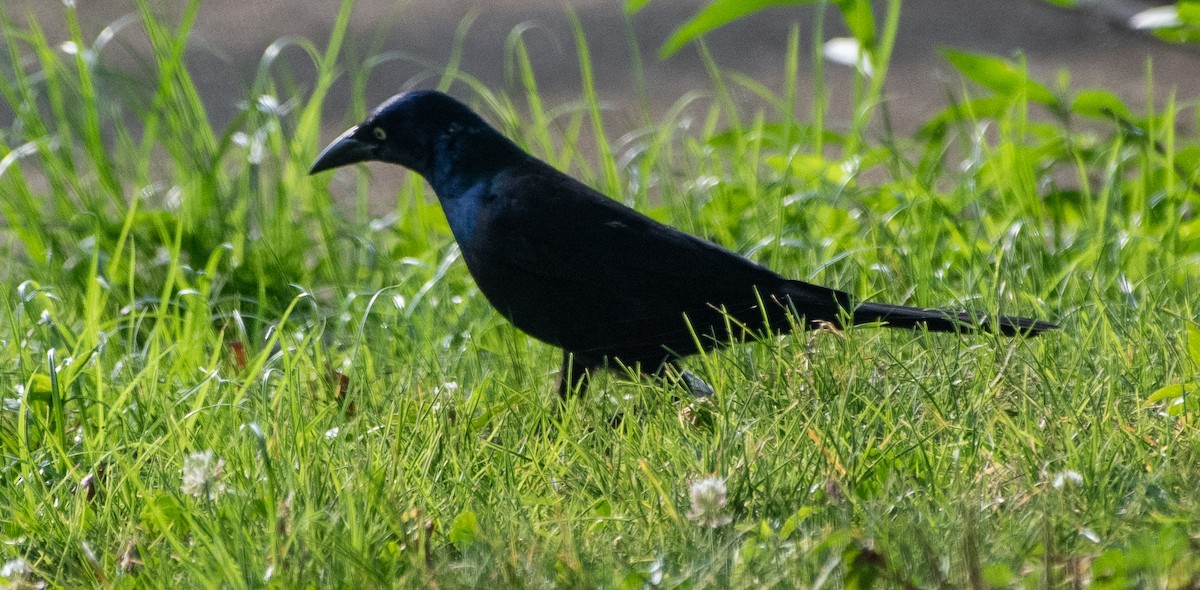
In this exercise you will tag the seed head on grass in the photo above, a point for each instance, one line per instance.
(202, 476)
(708, 503)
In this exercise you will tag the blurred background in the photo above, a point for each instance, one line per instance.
(1092, 43)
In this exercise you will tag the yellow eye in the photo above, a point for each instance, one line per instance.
(380, 134)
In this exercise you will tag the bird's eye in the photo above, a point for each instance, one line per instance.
(380, 134)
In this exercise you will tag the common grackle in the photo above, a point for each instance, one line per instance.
(580, 271)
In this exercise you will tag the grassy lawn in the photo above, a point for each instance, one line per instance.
(221, 372)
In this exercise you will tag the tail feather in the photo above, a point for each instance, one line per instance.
(937, 320)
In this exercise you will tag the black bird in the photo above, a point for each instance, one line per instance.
(580, 271)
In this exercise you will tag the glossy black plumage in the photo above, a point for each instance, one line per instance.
(583, 272)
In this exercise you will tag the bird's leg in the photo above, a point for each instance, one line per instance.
(574, 376)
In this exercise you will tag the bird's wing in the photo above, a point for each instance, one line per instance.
(558, 227)
(580, 270)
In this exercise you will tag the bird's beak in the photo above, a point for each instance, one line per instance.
(344, 150)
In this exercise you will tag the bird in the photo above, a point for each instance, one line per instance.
(580, 271)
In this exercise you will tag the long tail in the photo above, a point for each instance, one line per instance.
(936, 320)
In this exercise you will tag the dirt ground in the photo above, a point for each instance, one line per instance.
(231, 35)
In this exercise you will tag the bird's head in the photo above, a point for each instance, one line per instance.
(404, 130)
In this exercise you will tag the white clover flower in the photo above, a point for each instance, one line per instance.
(1159, 17)
(444, 395)
(256, 144)
(657, 568)
(708, 503)
(19, 575)
(1069, 476)
(15, 568)
(847, 51)
(202, 476)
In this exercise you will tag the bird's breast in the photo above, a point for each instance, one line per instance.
(462, 211)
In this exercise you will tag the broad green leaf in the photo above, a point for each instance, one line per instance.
(998, 575)
(717, 14)
(464, 531)
(39, 388)
(161, 513)
(860, 20)
(750, 549)
(1189, 11)
(1100, 104)
(633, 6)
(1185, 34)
(1173, 391)
(999, 75)
(1111, 566)
(793, 521)
(808, 167)
(1188, 158)
(633, 581)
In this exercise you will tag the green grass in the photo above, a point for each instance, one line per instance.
(170, 290)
